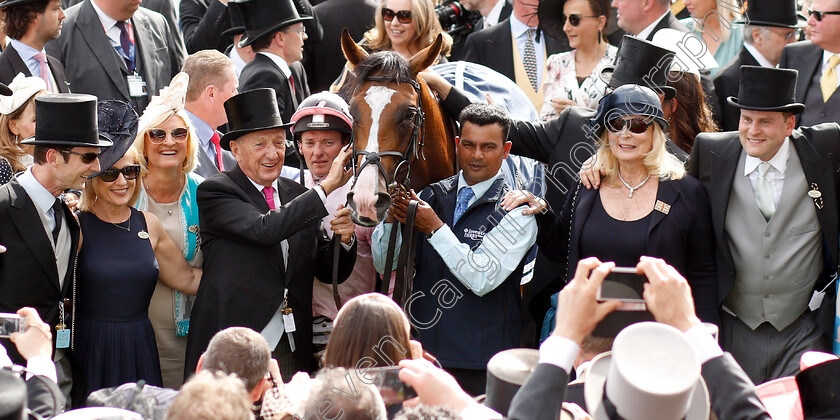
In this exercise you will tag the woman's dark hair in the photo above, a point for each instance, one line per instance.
(601, 8)
(369, 329)
(693, 114)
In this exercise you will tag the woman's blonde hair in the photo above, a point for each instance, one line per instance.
(724, 13)
(659, 162)
(89, 195)
(9, 142)
(425, 22)
(191, 160)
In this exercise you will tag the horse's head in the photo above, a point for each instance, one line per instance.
(384, 99)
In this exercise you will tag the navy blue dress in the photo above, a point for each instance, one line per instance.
(116, 275)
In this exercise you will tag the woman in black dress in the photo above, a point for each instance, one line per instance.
(646, 204)
(123, 254)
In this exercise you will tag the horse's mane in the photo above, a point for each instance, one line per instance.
(387, 64)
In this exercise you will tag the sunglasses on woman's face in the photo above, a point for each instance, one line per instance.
(404, 16)
(818, 15)
(158, 135)
(635, 125)
(129, 172)
(574, 19)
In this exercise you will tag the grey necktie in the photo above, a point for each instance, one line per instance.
(763, 193)
(529, 61)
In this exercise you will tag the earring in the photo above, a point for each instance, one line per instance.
(599, 36)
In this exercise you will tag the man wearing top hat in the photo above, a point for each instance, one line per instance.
(31, 24)
(818, 63)
(769, 25)
(276, 33)
(39, 231)
(773, 191)
(566, 142)
(260, 239)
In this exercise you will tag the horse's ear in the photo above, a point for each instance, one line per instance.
(352, 51)
(426, 57)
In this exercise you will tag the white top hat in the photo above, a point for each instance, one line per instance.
(22, 88)
(651, 373)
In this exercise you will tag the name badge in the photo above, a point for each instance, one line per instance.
(136, 86)
(62, 338)
(289, 322)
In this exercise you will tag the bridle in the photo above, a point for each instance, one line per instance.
(413, 149)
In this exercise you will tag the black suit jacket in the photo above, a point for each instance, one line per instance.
(459, 43)
(202, 22)
(43, 397)
(683, 237)
(714, 160)
(263, 73)
(244, 279)
(492, 47)
(94, 67)
(28, 273)
(727, 83)
(11, 64)
(324, 61)
(731, 393)
(806, 57)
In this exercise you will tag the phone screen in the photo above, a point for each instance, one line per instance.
(392, 389)
(623, 284)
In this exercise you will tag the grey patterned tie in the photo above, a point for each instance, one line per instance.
(763, 193)
(530, 60)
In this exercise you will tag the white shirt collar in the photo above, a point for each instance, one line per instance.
(480, 188)
(778, 161)
(237, 60)
(518, 28)
(758, 56)
(260, 187)
(492, 18)
(284, 66)
(643, 34)
(42, 198)
(107, 21)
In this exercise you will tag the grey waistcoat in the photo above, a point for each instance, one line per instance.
(777, 262)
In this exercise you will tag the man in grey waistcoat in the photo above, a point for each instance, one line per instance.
(773, 193)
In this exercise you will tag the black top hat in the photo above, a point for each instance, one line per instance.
(117, 123)
(643, 63)
(767, 89)
(254, 110)
(507, 370)
(237, 24)
(264, 17)
(66, 119)
(819, 390)
(4, 90)
(12, 397)
(779, 13)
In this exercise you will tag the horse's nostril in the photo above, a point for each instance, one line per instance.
(383, 201)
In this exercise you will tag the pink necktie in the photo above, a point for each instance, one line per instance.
(268, 192)
(292, 84)
(216, 140)
(45, 72)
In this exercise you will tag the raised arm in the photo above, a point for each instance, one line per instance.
(174, 270)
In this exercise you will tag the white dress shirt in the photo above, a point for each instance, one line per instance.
(42, 198)
(284, 66)
(643, 34)
(35, 365)
(519, 32)
(110, 26)
(492, 18)
(237, 60)
(776, 175)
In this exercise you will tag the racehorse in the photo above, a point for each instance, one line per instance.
(401, 135)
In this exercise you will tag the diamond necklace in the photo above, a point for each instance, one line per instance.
(632, 189)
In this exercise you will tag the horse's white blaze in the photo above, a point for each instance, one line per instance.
(377, 98)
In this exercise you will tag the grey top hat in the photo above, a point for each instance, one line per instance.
(507, 370)
(66, 119)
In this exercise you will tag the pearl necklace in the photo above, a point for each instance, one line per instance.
(632, 189)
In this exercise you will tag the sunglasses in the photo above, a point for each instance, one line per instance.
(404, 16)
(158, 135)
(129, 172)
(818, 15)
(574, 19)
(789, 36)
(86, 157)
(635, 125)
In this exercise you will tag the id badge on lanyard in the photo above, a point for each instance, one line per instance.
(136, 85)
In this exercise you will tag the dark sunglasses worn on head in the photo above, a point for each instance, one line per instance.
(86, 157)
(635, 125)
(574, 19)
(158, 135)
(818, 15)
(404, 16)
(129, 172)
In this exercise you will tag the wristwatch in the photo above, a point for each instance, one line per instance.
(429, 236)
